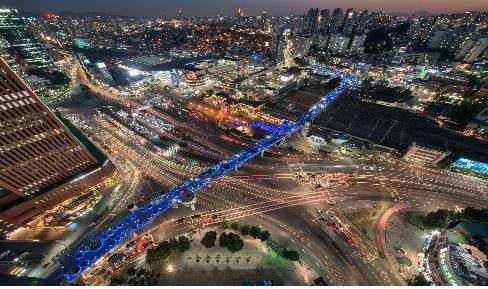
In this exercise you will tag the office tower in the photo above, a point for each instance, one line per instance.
(348, 23)
(336, 21)
(466, 47)
(13, 29)
(357, 44)
(477, 50)
(240, 17)
(421, 30)
(311, 21)
(437, 39)
(360, 23)
(301, 46)
(263, 20)
(338, 44)
(324, 22)
(279, 44)
(42, 163)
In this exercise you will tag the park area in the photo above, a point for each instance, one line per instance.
(223, 255)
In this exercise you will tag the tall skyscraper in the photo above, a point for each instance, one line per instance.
(19, 39)
(263, 20)
(348, 22)
(311, 21)
(279, 44)
(360, 22)
(324, 21)
(477, 50)
(336, 21)
(42, 163)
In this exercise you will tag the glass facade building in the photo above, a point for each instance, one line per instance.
(21, 41)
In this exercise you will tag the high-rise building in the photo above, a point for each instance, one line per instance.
(357, 44)
(42, 163)
(20, 40)
(301, 46)
(338, 43)
(263, 20)
(477, 50)
(360, 22)
(324, 21)
(437, 38)
(348, 24)
(240, 17)
(311, 21)
(279, 44)
(466, 47)
(336, 21)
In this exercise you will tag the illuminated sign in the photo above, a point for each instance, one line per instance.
(190, 76)
(85, 175)
(51, 15)
(443, 262)
(471, 165)
(134, 72)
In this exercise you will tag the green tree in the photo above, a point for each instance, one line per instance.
(245, 230)
(291, 255)
(161, 252)
(299, 61)
(183, 244)
(254, 232)
(264, 235)
(234, 225)
(437, 219)
(209, 239)
(442, 218)
(235, 243)
(225, 225)
(223, 240)
(117, 281)
(131, 271)
(417, 280)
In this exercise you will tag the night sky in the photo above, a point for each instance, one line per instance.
(228, 7)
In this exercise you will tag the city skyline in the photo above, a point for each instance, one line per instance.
(338, 145)
(191, 8)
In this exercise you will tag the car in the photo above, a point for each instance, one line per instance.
(130, 244)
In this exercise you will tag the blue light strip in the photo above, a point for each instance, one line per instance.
(471, 165)
(82, 256)
(266, 126)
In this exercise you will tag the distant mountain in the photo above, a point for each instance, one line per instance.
(84, 14)
(399, 14)
(421, 13)
(405, 14)
(28, 14)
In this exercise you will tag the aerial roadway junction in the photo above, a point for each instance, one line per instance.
(89, 251)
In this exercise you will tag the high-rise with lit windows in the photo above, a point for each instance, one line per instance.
(20, 40)
(42, 163)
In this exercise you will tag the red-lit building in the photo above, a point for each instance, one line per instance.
(42, 163)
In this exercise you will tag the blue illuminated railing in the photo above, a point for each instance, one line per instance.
(264, 125)
(85, 254)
